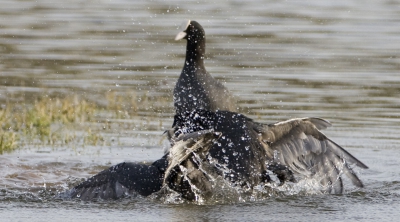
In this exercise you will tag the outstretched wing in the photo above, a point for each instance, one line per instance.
(298, 144)
(120, 179)
(188, 162)
(187, 145)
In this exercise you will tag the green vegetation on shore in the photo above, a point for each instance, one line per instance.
(57, 121)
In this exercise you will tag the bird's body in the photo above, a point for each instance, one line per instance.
(247, 153)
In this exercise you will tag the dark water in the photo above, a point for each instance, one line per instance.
(283, 59)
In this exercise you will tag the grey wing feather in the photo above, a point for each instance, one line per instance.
(300, 145)
(318, 122)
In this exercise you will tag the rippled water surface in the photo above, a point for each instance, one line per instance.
(337, 60)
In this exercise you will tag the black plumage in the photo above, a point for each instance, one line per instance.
(247, 153)
(196, 88)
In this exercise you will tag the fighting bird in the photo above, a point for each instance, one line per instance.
(209, 139)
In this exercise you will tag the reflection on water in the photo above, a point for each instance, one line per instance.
(283, 59)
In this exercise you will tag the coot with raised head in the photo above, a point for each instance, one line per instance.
(196, 88)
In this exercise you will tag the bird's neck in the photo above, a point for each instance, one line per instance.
(195, 52)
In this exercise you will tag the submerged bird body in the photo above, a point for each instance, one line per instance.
(122, 179)
(196, 88)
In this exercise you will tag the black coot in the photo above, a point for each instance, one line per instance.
(196, 88)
